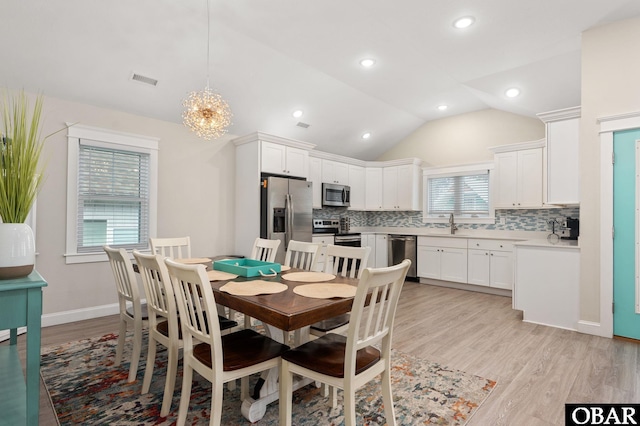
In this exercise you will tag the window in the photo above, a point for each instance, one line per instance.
(463, 191)
(111, 197)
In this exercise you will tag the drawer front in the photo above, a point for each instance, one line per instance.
(494, 245)
(443, 242)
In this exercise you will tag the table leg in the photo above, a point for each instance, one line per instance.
(34, 313)
(267, 391)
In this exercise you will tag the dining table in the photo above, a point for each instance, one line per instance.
(281, 313)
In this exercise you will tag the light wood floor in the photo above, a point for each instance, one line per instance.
(538, 368)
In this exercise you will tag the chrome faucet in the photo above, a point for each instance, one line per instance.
(452, 224)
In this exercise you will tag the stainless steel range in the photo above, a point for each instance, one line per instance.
(333, 226)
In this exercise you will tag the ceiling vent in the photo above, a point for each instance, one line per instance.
(303, 125)
(143, 79)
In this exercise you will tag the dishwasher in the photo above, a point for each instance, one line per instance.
(403, 247)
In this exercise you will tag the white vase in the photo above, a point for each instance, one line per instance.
(17, 250)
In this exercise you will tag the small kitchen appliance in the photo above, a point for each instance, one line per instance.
(573, 226)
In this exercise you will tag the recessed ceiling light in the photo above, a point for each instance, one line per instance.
(442, 107)
(464, 22)
(366, 135)
(367, 62)
(512, 93)
(297, 113)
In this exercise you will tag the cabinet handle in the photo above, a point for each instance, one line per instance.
(491, 254)
(486, 254)
(478, 244)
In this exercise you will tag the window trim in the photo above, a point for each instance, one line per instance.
(79, 134)
(467, 169)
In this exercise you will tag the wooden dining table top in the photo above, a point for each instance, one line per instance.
(285, 310)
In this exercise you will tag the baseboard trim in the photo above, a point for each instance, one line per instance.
(593, 328)
(468, 287)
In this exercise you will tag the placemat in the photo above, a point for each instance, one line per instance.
(253, 288)
(308, 277)
(194, 260)
(325, 290)
(216, 275)
(284, 268)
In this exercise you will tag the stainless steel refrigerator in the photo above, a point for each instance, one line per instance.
(287, 211)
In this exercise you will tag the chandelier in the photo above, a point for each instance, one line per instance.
(206, 113)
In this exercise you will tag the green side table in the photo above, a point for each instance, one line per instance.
(20, 305)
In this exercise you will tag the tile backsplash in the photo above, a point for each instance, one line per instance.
(515, 220)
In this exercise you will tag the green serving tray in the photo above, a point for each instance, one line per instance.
(247, 267)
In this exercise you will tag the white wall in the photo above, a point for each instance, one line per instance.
(464, 138)
(610, 86)
(196, 198)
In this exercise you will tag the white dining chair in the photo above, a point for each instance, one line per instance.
(132, 312)
(164, 327)
(219, 359)
(175, 248)
(346, 262)
(349, 362)
(265, 250)
(301, 255)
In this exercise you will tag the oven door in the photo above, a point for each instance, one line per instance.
(351, 240)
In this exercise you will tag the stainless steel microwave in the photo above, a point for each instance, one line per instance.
(335, 195)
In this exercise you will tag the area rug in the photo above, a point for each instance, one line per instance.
(87, 389)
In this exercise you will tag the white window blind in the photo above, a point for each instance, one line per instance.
(462, 194)
(113, 199)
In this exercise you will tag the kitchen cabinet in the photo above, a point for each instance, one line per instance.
(373, 188)
(357, 184)
(323, 240)
(562, 156)
(315, 176)
(284, 160)
(518, 181)
(442, 258)
(490, 263)
(335, 172)
(369, 240)
(400, 188)
(381, 252)
(547, 284)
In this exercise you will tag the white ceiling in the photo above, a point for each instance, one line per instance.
(269, 58)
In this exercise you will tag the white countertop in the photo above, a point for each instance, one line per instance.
(529, 238)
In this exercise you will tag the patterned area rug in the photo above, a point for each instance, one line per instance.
(86, 388)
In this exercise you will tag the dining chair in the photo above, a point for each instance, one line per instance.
(164, 327)
(265, 250)
(132, 312)
(301, 255)
(348, 362)
(217, 358)
(347, 262)
(176, 248)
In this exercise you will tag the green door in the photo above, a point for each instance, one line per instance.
(626, 322)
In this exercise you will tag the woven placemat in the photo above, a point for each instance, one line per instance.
(194, 260)
(216, 275)
(325, 290)
(308, 277)
(253, 288)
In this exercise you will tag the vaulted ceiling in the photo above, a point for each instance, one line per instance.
(269, 58)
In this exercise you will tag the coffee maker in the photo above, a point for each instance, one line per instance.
(573, 226)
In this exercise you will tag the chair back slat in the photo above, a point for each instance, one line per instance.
(175, 248)
(126, 283)
(157, 286)
(346, 261)
(301, 255)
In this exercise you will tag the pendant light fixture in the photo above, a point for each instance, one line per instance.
(206, 113)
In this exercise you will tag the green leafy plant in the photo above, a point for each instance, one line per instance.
(20, 175)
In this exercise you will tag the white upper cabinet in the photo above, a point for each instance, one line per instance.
(563, 147)
(284, 160)
(335, 172)
(373, 188)
(357, 184)
(401, 187)
(518, 175)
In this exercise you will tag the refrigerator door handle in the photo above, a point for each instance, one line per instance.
(288, 221)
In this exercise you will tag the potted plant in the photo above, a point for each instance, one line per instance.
(20, 179)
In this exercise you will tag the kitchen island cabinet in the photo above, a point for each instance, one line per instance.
(547, 278)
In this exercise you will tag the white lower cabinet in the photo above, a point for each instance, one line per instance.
(324, 241)
(442, 258)
(382, 249)
(490, 263)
